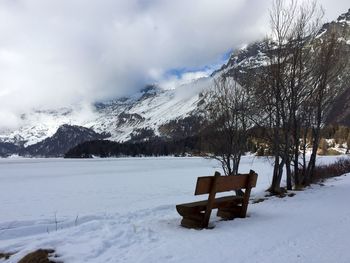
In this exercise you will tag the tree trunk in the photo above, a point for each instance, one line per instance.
(312, 162)
(275, 187)
(296, 154)
(289, 174)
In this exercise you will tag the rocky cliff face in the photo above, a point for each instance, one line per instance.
(340, 112)
(66, 137)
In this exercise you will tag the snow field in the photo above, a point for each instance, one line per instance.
(123, 210)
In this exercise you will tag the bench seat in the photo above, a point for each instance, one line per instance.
(199, 206)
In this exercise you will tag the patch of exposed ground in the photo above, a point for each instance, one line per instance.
(40, 256)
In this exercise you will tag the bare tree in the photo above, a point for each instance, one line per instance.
(228, 115)
(272, 94)
(306, 26)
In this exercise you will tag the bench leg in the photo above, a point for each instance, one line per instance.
(191, 217)
(230, 213)
(191, 223)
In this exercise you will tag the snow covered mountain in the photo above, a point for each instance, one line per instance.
(154, 111)
(122, 119)
(255, 55)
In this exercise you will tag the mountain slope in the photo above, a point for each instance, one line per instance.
(155, 107)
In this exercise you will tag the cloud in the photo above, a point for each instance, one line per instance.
(174, 81)
(334, 8)
(62, 52)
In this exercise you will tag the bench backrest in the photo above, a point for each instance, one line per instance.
(225, 183)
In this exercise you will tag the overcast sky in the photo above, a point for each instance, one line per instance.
(60, 52)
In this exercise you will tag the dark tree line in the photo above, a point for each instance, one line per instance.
(153, 147)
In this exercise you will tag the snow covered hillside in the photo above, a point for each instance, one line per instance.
(123, 210)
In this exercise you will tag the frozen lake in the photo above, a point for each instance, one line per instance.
(40, 188)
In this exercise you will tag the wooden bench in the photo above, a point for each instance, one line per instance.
(197, 214)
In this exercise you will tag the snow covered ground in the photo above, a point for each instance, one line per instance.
(123, 210)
